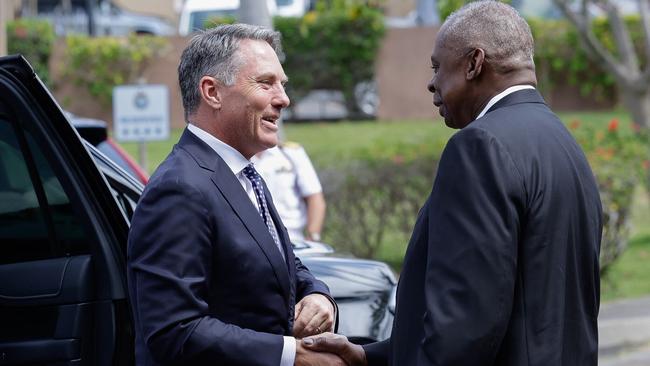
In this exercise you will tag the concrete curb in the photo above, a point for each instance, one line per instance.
(623, 325)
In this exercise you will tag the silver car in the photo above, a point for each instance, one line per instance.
(110, 20)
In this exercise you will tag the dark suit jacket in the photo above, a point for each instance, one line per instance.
(502, 268)
(207, 283)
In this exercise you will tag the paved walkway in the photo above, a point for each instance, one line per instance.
(624, 333)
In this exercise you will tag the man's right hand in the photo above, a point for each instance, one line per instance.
(351, 353)
(306, 357)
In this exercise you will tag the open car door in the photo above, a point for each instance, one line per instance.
(62, 237)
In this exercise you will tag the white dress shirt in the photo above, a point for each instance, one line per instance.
(500, 96)
(237, 162)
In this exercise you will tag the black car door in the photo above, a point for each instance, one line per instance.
(62, 276)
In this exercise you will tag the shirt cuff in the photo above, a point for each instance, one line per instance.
(288, 351)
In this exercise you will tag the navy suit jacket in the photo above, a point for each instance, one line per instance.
(207, 283)
(502, 267)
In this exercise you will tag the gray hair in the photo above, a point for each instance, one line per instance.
(213, 52)
(495, 27)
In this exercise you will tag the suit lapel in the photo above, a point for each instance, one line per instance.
(229, 186)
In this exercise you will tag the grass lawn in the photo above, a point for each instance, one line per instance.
(329, 143)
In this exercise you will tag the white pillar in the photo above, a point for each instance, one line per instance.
(255, 12)
(6, 14)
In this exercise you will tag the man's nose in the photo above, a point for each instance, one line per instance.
(281, 99)
(431, 86)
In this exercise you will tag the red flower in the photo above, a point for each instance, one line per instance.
(613, 125)
(21, 32)
(646, 164)
(574, 124)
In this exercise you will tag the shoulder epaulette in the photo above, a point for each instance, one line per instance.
(291, 144)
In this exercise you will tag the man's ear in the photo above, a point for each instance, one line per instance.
(475, 63)
(211, 89)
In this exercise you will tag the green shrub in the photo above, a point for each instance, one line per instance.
(446, 7)
(618, 157)
(33, 39)
(373, 198)
(101, 63)
(333, 47)
(218, 20)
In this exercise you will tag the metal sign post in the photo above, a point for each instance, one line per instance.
(141, 114)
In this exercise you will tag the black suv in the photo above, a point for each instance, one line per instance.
(64, 220)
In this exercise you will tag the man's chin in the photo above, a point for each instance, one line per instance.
(268, 143)
(450, 123)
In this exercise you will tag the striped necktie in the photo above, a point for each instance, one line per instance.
(258, 188)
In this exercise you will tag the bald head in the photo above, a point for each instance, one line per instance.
(495, 27)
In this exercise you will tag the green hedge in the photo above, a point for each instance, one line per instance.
(374, 194)
(618, 155)
(332, 48)
(33, 39)
(446, 7)
(560, 58)
(101, 63)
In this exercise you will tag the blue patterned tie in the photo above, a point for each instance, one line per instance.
(256, 182)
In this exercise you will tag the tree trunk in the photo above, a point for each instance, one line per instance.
(638, 104)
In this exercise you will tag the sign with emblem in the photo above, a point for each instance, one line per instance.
(141, 112)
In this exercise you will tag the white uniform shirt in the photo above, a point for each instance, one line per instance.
(290, 176)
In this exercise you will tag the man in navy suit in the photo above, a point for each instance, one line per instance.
(212, 276)
(502, 267)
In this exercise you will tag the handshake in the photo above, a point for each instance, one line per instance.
(329, 349)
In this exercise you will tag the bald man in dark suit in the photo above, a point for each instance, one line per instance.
(502, 268)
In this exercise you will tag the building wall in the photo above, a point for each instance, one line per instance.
(399, 8)
(403, 70)
(162, 70)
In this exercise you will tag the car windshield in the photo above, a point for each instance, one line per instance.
(198, 19)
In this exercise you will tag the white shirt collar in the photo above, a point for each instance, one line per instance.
(233, 158)
(501, 95)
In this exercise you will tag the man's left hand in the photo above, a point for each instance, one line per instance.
(314, 315)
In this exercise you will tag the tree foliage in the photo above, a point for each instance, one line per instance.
(617, 53)
(100, 64)
(33, 38)
(333, 47)
(446, 7)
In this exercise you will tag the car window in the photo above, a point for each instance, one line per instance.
(37, 218)
(109, 151)
(124, 187)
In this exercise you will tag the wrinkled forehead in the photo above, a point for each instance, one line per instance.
(259, 57)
